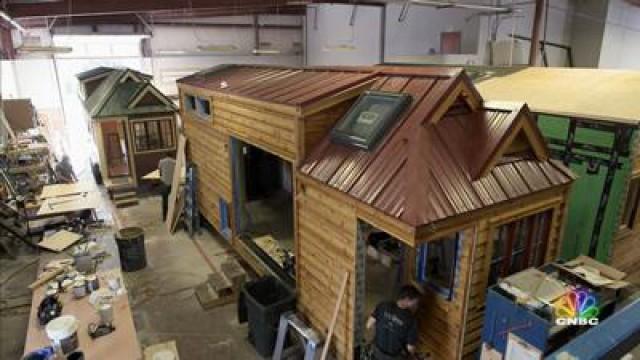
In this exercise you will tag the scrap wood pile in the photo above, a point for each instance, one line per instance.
(26, 159)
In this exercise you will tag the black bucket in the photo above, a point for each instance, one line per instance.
(130, 243)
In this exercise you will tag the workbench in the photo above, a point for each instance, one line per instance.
(120, 344)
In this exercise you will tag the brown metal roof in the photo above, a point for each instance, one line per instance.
(420, 172)
(296, 87)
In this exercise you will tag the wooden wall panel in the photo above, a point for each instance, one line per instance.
(317, 126)
(269, 130)
(209, 149)
(326, 242)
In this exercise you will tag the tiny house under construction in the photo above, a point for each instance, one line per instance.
(132, 122)
(406, 168)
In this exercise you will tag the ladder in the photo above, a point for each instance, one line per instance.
(191, 212)
(310, 337)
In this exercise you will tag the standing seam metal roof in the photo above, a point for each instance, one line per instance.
(296, 87)
(419, 173)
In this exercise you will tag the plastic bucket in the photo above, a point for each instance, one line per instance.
(130, 243)
(63, 333)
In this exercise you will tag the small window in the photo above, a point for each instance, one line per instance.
(437, 262)
(630, 213)
(190, 102)
(198, 105)
(202, 107)
(369, 119)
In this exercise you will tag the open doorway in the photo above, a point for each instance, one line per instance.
(115, 149)
(263, 199)
(385, 268)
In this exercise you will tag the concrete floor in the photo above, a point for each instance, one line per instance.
(161, 295)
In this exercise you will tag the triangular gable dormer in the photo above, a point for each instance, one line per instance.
(514, 136)
(460, 93)
(130, 76)
(148, 96)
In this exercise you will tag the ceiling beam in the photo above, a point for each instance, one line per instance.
(106, 7)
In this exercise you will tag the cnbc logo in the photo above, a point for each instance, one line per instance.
(577, 307)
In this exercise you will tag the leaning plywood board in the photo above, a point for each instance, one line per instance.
(60, 240)
(591, 93)
(175, 187)
(68, 204)
(56, 190)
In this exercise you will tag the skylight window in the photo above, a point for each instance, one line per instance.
(370, 118)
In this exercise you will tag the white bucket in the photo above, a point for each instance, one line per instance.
(63, 333)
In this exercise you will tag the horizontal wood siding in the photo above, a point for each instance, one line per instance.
(326, 242)
(317, 126)
(208, 148)
(272, 131)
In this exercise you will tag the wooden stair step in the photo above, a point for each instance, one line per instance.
(123, 195)
(125, 202)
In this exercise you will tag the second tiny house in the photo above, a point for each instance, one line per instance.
(390, 174)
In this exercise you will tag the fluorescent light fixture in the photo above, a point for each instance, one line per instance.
(452, 4)
(12, 22)
(342, 47)
(45, 49)
(218, 48)
(265, 51)
(171, 52)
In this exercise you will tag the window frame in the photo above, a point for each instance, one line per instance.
(165, 143)
(200, 106)
(421, 274)
(338, 134)
(631, 206)
(537, 229)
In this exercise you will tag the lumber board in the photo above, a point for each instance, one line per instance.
(175, 187)
(334, 317)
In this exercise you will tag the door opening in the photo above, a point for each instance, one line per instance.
(115, 149)
(263, 199)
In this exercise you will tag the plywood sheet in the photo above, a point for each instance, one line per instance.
(68, 204)
(60, 240)
(56, 190)
(598, 94)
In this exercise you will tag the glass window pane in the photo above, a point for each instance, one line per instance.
(369, 119)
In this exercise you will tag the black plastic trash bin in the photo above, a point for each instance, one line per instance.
(266, 299)
(130, 243)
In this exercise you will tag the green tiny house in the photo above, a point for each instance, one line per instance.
(589, 118)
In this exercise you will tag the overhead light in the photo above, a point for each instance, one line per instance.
(45, 49)
(342, 47)
(12, 22)
(218, 48)
(171, 52)
(452, 4)
(265, 51)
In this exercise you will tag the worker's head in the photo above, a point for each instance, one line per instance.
(408, 298)
(65, 158)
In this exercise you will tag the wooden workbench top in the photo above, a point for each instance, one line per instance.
(120, 344)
